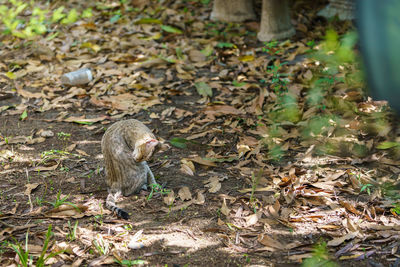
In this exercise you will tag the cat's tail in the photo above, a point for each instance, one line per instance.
(110, 204)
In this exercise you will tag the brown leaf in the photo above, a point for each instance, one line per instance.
(187, 167)
(67, 211)
(269, 242)
(252, 219)
(203, 161)
(196, 56)
(274, 210)
(200, 199)
(184, 193)
(83, 119)
(30, 188)
(349, 207)
(339, 240)
(224, 208)
(47, 168)
(170, 198)
(220, 110)
(214, 184)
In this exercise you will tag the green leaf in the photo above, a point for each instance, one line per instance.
(179, 142)
(115, 18)
(225, 45)
(71, 18)
(238, 84)
(171, 29)
(52, 36)
(208, 50)
(387, 145)
(87, 13)
(84, 122)
(58, 14)
(39, 28)
(11, 75)
(24, 115)
(203, 89)
(147, 21)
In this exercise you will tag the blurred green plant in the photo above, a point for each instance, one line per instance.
(23, 253)
(26, 20)
(320, 257)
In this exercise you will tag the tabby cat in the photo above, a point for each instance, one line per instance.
(126, 146)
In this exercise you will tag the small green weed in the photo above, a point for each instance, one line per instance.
(320, 257)
(101, 245)
(395, 209)
(23, 253)
(38, 22)
(61, 201)
(254, 182)
(130, 262)
(72, 231)
(157, 188)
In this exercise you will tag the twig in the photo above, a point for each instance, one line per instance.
(29, 195)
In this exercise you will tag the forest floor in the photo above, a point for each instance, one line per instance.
(248, 179)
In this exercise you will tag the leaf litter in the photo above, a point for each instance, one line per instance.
(216, 95)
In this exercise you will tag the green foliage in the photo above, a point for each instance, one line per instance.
(171, 29)
(23, 253)
(72, 231)
(61, 201)
(156, 188)
(102, 246)
(254, 183)
(320, 257)
(42, 258)
(180, 142)
(367, 188)
(225, 45)
(130, 262)
(336, 65)
(396, 209)
(286, 109)
(271, 48)
(24, 115)
(41, 20)
(203, 89)
(319, 125)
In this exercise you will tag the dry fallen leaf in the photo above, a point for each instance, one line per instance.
(339, 240)
(184, 193)
(67, 211)
(170, 198)
(252, 219)
(213, 184)
(30, 188)
(269, 242)
(200, 199)
(203, 161)
(187, 167)
(224, 208)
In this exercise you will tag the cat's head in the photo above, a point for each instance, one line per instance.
(144, 149)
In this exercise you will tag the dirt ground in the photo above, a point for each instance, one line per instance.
(210, 212)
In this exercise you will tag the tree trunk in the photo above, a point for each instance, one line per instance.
(344, 9)
(275, 21)
(232, 10)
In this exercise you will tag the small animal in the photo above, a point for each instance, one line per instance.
(126, 146)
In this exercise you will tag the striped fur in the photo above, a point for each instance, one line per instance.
(126, 146)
